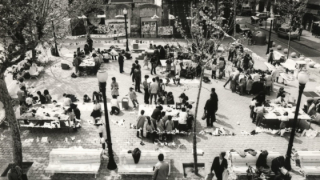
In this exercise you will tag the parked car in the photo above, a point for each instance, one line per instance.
(242, 28)
(246, 11)
(285, 32)
(262, 15)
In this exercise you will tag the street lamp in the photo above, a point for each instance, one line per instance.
(125, 13)
(102, 76)
(303, 78)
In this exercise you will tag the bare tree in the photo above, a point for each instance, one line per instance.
(208, 30)
(23, 26)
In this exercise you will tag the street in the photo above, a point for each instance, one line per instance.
(305, 47)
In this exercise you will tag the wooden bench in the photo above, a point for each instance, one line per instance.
(310, 162)
(74, 161)
(146, 163)
(240, 164)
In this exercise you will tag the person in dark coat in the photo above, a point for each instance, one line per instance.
(90, 43)
(162, 53)
(121, 61)
(219, 165)
(76, 110)
(211, 108)
(137, 77)
(246, 61)
(86, 49)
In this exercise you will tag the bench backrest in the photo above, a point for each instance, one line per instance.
(74, 156)
(147, 157)
(237, 160)
(309, 159)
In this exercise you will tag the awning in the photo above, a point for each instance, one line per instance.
(312, 11)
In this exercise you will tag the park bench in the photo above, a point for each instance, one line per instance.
(145, 165)
(310, 162)
(74, 161)
(240, 164)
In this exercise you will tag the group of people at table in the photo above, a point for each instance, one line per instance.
(28, 103)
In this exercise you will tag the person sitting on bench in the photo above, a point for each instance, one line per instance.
(114, 106)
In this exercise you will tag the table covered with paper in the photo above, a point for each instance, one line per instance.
(276, 111)
(44, 116)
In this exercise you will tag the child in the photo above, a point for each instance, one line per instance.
(249, 85)
(133, 97)
(169, 127)
(169, 62)
(284, 123)
(162, 86)
(177, 78)
(140, 123)
(86, 98)
(114, 106)
(146, 60)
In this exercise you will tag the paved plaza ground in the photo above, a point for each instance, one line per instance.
(233, 115)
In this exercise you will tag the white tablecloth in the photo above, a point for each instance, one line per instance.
(276, 108)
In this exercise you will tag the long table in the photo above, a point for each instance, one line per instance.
(275, 112)
(47, 116)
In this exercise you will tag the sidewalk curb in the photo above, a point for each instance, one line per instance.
(294, 41)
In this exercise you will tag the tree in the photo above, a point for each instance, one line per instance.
(208, 29)
(293, 11)
(25, 24)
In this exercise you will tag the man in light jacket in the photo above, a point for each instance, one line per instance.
(161, 169)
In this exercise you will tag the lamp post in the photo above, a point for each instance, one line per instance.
(125, 13)
(102, 76)
(269, 44)
(303, 79)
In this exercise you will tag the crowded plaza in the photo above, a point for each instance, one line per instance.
(133, 91)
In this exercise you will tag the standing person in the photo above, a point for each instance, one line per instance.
(97, 63)
(47, 96)
(133, 97)
(146, 60)
(137, 76)
(76, 63)
(114, 87)
(169, 127)
(169, 62)
(219, 165)
(154, 89)
(268, 83)
(90, 43)
(42, 99)
(271, 57)
(210, 109)
(232, 54)
(121, 61)
(131, 73)
(154, 64)
(22, 95)
(146, 89)
(222, 66)
(214, 69)
(140, 123)
(161, 169)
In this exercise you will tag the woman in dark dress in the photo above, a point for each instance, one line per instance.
(219, 165)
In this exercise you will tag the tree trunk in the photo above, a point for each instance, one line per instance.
(195, 157)
(13, 123)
